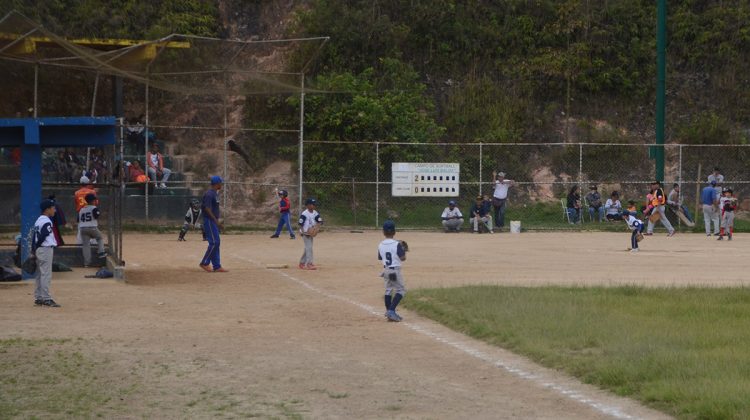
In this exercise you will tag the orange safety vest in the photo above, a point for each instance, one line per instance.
(80, 197)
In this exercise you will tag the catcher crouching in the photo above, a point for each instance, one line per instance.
(191, 219)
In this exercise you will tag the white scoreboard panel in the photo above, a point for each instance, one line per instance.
(411, 179)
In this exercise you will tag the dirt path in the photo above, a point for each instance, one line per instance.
(292, 343)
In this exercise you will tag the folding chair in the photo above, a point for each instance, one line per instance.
(564, 204)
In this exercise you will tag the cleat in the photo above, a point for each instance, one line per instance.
(38, 302)
(720, 238)
(221, 270)
(301, 266)
(708, 234)
(311, 266)
(670, 234)
(292, 237)
(180, 239)
(205, 267)
(51, 303)
(274, 236)
(393, 316)
(634, 250)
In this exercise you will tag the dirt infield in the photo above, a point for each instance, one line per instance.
(313, 344)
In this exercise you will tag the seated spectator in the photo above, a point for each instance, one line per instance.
(632, 207)
(480, 213)
(452, 218)
(135, 173)
(99, 164)
(156, 168)
(61, 167)
(613, 207)
(675, 203)
(594, 201)
(574, 205)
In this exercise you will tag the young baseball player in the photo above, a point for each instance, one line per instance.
(284, 207)
(212, 225)
(452, 218)
(636, 226)
(191, 219)
(88, 229)
(392, 253)
(43, 245)
(309, 221)
(727, 204)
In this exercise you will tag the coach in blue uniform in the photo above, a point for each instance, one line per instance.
(211, 214)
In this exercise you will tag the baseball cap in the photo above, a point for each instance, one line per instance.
(713, 182)
(45, 204)
(626, 213)
(479, 197)
(85, 180)
(501, 174)
(389, 226)
(216, 179)
(311, 201)
(451, 203)
(593, 187)
(90, 198)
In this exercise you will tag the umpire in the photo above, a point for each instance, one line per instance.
(212, 226)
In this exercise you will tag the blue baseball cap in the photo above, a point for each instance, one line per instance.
(713, 182)
(216, 179)
(45, 204)
(626, 213)
(311, 201)
(451, 203)
(389, 226)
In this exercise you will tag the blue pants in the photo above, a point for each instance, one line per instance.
(212, 253)
(284, 221)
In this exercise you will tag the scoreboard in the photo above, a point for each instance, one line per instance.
(411, 179)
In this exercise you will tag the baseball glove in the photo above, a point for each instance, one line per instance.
(405, 246)
(313, 231)
(639, 237)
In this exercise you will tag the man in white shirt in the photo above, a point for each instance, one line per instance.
(500, 196)
(452, 218)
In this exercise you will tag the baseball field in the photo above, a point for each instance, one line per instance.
(176, 342)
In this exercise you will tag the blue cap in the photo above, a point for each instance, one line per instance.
(311, 201)
(216, 179)
(626, 213)
(389, 226)
(713, 182)
(45, 204)
(451, 203)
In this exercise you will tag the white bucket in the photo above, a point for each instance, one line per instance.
(515, 226)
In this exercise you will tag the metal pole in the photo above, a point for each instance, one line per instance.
(226, 154)
(377, 183)
(301, 157)
(679, 175)
(661, 75)
(480, 167)
(580, 178)
(145, 150)
(120, 177)
(93, 111)
(36, 89)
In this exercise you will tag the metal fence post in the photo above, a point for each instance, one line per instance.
(301, 137)
(480, 167)
(145, 150)
(377, 183)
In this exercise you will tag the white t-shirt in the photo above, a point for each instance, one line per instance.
(308, 219)
(155, 160)
(43, 229)
(501, 189)
(390, 252)
(448, 213)
(87, 216)
(613, 207)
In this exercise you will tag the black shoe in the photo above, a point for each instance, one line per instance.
(38, 302)
(51, 303)
(274, 236)
(180, 239)
(292, 237)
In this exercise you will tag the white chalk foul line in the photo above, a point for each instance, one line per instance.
(466, 348)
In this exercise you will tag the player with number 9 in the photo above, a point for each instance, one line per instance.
(392, 253)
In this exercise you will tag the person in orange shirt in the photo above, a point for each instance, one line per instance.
(80, 196)
(658, 200)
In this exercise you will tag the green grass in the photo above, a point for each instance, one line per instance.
(682, 351)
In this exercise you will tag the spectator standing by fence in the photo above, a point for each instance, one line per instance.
(710, 201)
(500, 197)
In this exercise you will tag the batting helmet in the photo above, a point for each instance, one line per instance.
(311, 201)
(389, 226)
(283, 193)
(216, 179)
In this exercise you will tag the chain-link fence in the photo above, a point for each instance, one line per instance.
(353, 180)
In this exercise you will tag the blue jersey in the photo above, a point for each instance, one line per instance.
(210, 201)
(708, 195)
